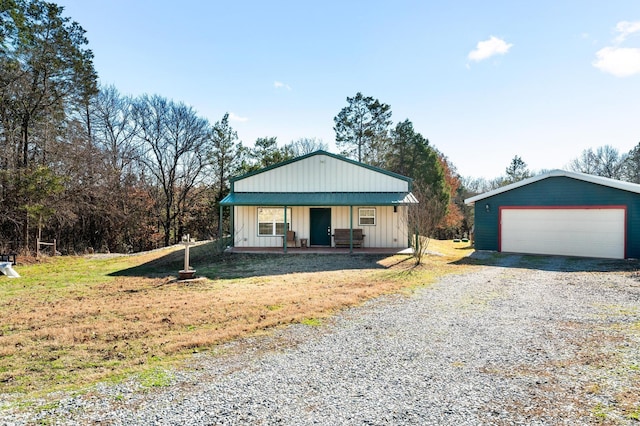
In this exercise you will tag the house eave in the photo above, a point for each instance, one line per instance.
(319, 199)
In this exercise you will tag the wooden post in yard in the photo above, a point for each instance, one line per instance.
(187, 273)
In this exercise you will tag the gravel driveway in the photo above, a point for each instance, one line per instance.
(521, 340)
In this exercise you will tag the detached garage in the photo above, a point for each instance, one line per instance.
(560, 213)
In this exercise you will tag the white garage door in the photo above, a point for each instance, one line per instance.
(593, 232)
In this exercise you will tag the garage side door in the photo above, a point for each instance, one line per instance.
(592, 232)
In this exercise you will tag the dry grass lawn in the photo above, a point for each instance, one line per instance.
(72, 321)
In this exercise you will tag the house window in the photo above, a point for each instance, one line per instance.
(366, 216)
(271, 221)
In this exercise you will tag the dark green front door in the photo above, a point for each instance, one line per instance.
(320, 234)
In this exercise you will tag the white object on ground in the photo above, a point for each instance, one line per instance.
(7, 269)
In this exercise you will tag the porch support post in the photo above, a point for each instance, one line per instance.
(286, 228)
(220, 235)
(232, 231)
(350, 229)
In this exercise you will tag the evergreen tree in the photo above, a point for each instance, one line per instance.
(267, 153)
(225, 158)
(362, 129)
(516, 171)
(45, 67)
(411, 155)
(631, 165)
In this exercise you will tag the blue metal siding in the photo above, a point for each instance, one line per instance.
(556, 191)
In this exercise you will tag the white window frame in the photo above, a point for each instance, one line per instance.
(367, 217)
(277, 217)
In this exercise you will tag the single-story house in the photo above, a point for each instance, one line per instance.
(560, 213)
(318, 196)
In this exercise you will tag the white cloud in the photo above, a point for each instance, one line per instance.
(625, 29)
(488, 48)
(619, 61)
(235, 117)
(281, 85)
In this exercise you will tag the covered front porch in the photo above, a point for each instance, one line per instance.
(356, 222)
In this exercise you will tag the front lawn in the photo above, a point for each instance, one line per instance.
(69, 322)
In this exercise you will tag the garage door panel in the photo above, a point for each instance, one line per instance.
(571, 232)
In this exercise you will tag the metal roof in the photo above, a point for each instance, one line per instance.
(329, 154)
(318, 199)
(599, 180)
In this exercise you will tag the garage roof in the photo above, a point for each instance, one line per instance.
(599, 180)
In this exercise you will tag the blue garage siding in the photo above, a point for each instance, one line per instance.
(556, 191)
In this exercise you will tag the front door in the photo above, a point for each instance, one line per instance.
(320, 234)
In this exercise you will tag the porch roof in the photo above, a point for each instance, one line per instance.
(318, 199)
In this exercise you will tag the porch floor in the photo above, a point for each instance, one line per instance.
(321, 250)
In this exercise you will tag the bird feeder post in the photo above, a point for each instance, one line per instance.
(187, 273)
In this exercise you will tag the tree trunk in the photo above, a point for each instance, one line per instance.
(24, 135)
(25, 230)
(167, 225)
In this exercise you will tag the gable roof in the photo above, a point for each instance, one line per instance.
(321, 152)
(320, 182)
(598, 180)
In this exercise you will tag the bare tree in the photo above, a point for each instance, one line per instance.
(423, 219)
(475, 186)
(114, 130)
(114, 133)
(606, 161)
(304, 146)
(174, 140)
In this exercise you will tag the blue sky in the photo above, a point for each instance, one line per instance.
(483, 81)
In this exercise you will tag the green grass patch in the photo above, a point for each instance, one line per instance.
(274, 307)
(154, 378)
(634, 415)
(600, 412)
(313, 322)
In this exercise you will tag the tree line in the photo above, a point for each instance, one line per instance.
(98, 170)
(605, 161)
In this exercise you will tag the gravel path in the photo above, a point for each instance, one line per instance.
(526, 341)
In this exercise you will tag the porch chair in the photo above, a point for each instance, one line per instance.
(291, 239)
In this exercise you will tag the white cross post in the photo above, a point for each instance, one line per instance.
(187, 273)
